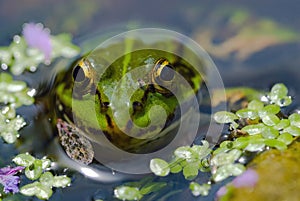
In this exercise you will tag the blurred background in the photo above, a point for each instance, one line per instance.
(253, 43)
(254, 39)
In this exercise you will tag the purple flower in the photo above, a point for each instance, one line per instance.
(221, 192)
(38, 37)
(248, 179)
(8, 180)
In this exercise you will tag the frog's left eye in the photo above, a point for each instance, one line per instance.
(163, 73)
(83, 76)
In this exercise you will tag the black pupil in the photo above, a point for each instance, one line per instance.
(167, 73)
(78, 74)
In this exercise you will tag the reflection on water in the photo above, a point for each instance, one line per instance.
(273, 60)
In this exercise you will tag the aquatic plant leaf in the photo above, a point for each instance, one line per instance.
(47, 179)
(198, 189)
(152, 187)
(269, 109)
(61, 181)
(159, 167)
(225, 158)
(278, 91)
(224, 117)
(190, 171)
(284, 101)
(29, 189)
(46, 163)
(35, 170)
(228, 170)
(247, 113)
(270, 133)
(24, 160)
(254, 129)
(201, 151)
(43, 192)
(276, 144)
(270, 119)
(255, 146)
(255, 105)
(286, 138)
(176, 168)
(127, 193)
(241, 143)
(282, 124)
(293, 130)
(184, 152)
(62, 46)
(295, 119)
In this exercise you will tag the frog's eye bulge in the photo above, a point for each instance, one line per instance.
(83, 76)
(162, 75)
(78, 74)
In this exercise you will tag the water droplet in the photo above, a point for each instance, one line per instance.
(264, 99)
(17, 39)
(32, 68)
(4, 66)
(31, 92)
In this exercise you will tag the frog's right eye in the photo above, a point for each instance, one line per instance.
(78, 74)
(83, 76)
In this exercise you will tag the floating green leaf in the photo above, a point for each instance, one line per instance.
(269, 109)
(24, 160)
(282, 124)
(254, 129)
(223, 117)
(228, 170)
(184, 152)
(247, 113)
(278, 91)
(270, 133)
(270, 119)
(255, 146)
(190, 171)
(127, 193)
(286, 138)
(29, 189)
(255, 105)
(176, 168)
(159, 167)
(198, 189)
(47, 179)
(225, 158)
(35, 170)
(152, 187)
(61, 181)
(293, 130)
(276, 144)
(295, 119)
(43, 192)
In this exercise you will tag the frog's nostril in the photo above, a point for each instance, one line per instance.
(137, 106)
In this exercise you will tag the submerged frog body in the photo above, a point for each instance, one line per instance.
(134, 101)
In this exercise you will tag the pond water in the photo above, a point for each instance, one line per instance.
(252, 43)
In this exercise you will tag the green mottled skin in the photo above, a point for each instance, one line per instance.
(92, 117)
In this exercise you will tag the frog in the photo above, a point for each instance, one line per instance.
(128, 94)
